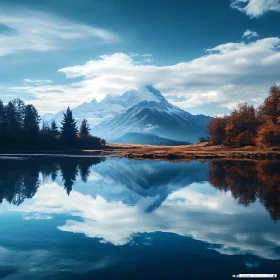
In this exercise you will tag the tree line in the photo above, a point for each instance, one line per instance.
(20, 180)
(247, 181)
(248, 126)
(20, 128)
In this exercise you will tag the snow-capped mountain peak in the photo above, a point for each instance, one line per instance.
(139, 111)
(156, 93)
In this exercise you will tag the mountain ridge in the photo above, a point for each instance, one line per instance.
(148, 139)
(140, 112)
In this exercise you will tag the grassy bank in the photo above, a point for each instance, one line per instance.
(195, 151)
(135, 151)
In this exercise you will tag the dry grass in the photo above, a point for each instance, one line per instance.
(195, 151)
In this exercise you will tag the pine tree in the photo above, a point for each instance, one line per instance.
(3, 120)
(45, 126)
(12, 118)
(84, 128)
(31, 119)
(69, 129)
(54, 127)
(19, 111)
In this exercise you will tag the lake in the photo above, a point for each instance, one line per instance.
(113, 218)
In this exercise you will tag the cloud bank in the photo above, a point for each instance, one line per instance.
(225, 76)
(229, 228)
(256, 8)
(28, 30)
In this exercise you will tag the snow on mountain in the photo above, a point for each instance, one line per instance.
(129, 182)
(141, 112)
(96, 112)
(158, 117)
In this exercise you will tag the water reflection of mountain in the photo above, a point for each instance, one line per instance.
(112, 205)
(19, 179)
(249, 181)
(119, 179)
(146, 183)
(152, 180)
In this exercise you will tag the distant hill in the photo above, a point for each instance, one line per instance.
(148, 139)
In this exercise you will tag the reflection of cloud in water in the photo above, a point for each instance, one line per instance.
(252, 264)
(195, 211)
(37, 216)
(43, 264)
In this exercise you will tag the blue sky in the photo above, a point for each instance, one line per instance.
(205, 56)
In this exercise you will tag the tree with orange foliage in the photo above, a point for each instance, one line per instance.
(216, 130)
(270, 110)
(269, 132)
(241, 127)
(247, 126)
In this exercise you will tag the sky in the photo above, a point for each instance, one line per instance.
(205, 56)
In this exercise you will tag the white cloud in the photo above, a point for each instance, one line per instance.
(150, 127)
(38, 216)
(256, 8)
(230, 228)
(225, 76)
(248, 34)
(140, 55)
(36, 82)
(37, 31)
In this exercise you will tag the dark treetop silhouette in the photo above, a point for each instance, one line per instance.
(20, 181)
(19, 130)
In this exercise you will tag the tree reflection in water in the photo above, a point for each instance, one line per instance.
(249, 181)
(19, 179)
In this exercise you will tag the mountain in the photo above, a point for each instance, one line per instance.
(147, 139)
(96, 112)
(156, 116)
(145, 111)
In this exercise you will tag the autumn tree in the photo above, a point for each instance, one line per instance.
(216, 130)
(269, 131)
(270, 110)
(241, 127)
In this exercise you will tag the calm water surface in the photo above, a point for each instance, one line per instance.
(97, 218)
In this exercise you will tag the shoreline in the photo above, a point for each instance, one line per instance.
(171, 153)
